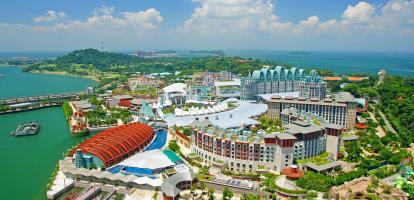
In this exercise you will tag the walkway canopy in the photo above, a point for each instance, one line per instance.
(113, 145)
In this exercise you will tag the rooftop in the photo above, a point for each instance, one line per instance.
(176, 87)
(282, 136)
(124, 96)
(116, 143)
(297, 127)
(153, 159)
(267, 97)
(323, 167)
(340, 98)
(237, 117)
(169, 186)
(344, 97)
(82, 104)
(234, 82)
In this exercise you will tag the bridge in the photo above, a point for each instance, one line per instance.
(39, 98)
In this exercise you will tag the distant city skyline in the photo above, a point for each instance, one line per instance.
(380, 25)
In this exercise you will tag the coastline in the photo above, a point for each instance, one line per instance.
(63, 73)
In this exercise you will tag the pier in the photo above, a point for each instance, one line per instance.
(20, 104)
(38, 98)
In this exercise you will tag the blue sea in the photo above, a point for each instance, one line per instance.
(340, 62)
(398, 63)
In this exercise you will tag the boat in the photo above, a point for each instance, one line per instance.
(27, 128)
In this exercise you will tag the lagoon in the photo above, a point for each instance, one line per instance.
(16, 83)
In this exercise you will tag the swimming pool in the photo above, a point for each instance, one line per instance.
(159, 142)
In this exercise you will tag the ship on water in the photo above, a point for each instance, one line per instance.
(27, 128)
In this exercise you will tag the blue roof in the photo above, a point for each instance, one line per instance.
(279, 73)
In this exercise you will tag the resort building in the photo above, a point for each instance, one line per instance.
(209, 78)
(312, 86)
(82, 106)
(198, 92)
(279, 79)
(227, 89)
(181, 179)
(136, 104)
(119, 100)
(145, 54)
(339, 110)
(141, 82)
(245, 151)
(174, 94)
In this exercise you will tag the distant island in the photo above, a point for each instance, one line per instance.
(95, 64)
(300, 52)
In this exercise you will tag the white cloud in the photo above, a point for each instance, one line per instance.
(50, 16)
(223, 24)
(311, 21)
(104, 10)
(232, 16)
(328, 24)
(104, 19)
(361, 13)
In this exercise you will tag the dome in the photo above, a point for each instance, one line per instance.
(113, 145)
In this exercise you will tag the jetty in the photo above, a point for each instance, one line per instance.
(20, 104)
(54, 97)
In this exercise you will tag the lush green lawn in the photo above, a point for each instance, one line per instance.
(317, 160)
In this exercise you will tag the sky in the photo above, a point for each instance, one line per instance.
(64, 25)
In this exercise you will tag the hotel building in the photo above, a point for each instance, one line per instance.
(278, 80)
(245, 151)
(338, 110)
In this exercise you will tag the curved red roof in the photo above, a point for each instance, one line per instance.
(115, 144)
(292, 172)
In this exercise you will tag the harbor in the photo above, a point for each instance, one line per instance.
(32, 159)
(37, 155)
(26, 128)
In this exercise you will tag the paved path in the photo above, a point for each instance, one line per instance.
(380, 132)
(387, 123)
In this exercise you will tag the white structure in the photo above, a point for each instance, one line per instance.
(174, 94)
(231, 118)
(227, 89)
(221, 107)
(153, 159)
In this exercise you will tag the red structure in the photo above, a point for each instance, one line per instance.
(361, 126)
(293, 172)
(113, 145)
(125, 102)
